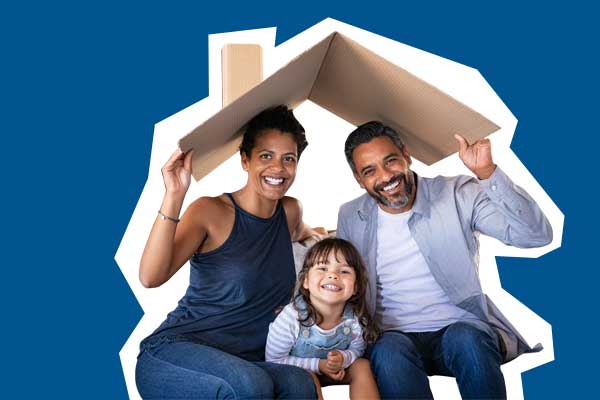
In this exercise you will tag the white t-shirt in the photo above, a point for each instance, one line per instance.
(409, 298)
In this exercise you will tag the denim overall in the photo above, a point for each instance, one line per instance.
(314, 344)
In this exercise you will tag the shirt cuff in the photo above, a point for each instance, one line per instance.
(497, 185)
(314, 366)
(347, 358)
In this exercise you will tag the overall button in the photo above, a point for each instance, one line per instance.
(305, 333)
(347, 330)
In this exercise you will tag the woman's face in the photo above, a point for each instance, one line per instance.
(272, 163)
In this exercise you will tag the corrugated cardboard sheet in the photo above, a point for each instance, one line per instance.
(241, 70)
(354, 83)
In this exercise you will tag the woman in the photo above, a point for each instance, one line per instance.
(242, 270)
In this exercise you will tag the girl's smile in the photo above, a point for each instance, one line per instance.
(330, 281)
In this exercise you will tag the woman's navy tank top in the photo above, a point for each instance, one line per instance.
(235, 289)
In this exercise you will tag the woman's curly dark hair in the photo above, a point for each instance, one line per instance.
(319, 253)
(280, 118)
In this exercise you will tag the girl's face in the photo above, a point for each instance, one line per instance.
(272, 163)
(330, 282)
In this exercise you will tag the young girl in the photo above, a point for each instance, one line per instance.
(326, 327)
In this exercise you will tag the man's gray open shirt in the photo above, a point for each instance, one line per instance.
(448, 213)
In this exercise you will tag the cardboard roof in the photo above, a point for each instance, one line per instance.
(357, 85)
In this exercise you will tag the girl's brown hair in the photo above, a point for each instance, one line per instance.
(319, 253)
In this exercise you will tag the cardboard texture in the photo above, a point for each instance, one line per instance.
(241, 69)
(354, 83)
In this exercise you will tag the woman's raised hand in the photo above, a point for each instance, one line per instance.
(177, 172)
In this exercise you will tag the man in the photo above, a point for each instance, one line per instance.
(418, 237)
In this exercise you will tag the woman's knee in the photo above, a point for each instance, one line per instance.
(182, 369)
(156, 378)
(253, 382)
(290, 381)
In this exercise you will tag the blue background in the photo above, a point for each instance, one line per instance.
(83, 85)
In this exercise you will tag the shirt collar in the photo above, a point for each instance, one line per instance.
(422, 204)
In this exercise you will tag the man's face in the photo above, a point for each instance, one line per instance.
(382, 169)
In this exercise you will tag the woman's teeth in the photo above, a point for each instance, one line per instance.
(273, 181)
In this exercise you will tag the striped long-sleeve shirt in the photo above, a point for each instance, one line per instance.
(284, 331)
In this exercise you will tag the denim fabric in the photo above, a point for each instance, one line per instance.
(311, 343)
(401, 362)
(170, 367)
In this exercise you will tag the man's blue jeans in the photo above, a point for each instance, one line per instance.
(168, 369)
(401, 362)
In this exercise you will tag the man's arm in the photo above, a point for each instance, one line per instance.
(341, 230)
(506, 212)
(501, 209)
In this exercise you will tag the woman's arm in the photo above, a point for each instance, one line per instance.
(171, 243)
(300, 230)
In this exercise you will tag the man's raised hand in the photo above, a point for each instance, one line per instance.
(477, 156)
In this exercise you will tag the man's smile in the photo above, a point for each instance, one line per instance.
(392, 186)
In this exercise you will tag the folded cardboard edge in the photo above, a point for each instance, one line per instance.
(425, 116)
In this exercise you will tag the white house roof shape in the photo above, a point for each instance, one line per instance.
(358, 85)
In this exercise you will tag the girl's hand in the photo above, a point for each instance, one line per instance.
(177, 172)
(339, 376)
(335, 374)
(335, 360)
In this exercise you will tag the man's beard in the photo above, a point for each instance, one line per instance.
(402, 199)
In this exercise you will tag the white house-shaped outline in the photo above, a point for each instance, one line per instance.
(324, 182)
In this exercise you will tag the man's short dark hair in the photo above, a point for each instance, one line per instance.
(280, 118)
(367, 132)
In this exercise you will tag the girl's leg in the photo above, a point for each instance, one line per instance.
(361, 380)
(317, 385)
(191, 370)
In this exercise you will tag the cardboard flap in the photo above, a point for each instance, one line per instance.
(218, 138)
(359, 85)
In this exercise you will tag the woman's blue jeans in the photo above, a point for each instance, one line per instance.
(168, 369)
(401, 362)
